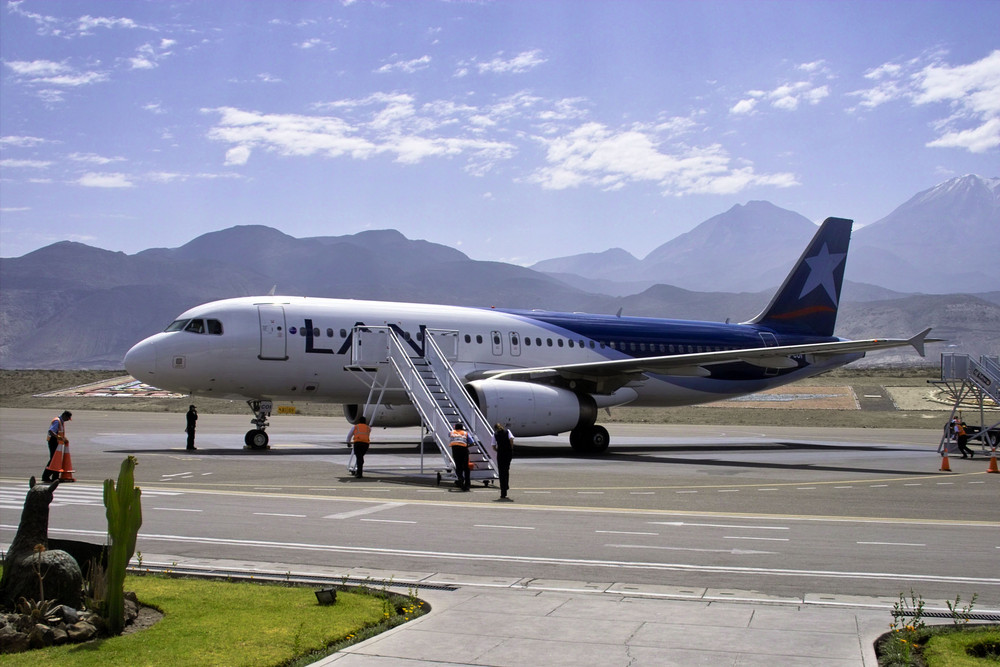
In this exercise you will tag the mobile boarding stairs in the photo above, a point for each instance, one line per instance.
(389, 361)
(972, 384)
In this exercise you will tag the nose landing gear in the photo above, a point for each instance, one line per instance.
(257, 439)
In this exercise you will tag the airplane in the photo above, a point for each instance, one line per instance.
(537, 372)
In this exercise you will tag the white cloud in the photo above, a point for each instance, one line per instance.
(24, 164)
(970, 92)
(237, 156)
(744, 106)
(593, 154)
(23, 142)
(518, 64)
(95, 180)
(52, 73)
(93, 158)
(385, 125)
(85, 24)
(406, 66)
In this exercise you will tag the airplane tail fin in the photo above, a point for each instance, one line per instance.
(807, 301)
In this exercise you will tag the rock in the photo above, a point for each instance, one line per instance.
(41, 636)
(81, 632)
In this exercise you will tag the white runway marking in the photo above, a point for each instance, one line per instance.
(364, 510)
(894, 577)
(294, 516)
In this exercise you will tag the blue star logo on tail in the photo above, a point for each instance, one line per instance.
(821, 268)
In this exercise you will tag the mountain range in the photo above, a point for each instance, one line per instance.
(69, 305)
(943, 240)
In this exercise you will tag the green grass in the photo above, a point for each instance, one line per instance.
(223, 623)
(941, 646)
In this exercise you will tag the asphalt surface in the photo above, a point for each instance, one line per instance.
(683, 545)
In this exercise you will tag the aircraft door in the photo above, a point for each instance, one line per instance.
(497, 340)
(273, 338)
(515, 344)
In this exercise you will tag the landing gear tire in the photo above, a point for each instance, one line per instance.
(589, 440)
(256, 439)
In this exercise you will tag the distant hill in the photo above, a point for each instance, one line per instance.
(70, 305)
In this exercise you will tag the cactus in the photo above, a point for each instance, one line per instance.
(124, 513)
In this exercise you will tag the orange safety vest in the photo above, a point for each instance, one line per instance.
(458, 439)
(362, 432)
(60, 432)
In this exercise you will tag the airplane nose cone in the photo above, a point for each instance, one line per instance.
(140, 361)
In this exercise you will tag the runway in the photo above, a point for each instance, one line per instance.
(784, 512)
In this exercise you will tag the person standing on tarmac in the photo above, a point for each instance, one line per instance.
(56, 437)
(192, 419)
(460, 442)
(360, 437)
(962, 437)
(503, 445)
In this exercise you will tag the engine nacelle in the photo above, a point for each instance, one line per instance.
(530, 409)
(385, 415)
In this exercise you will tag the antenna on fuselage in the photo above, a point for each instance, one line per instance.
(619, 313)
(271, 293)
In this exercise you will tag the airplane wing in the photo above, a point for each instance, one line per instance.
(613, 374)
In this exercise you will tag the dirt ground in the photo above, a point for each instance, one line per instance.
(836, 399)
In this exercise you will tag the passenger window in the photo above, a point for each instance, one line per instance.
(215, 327)
(196, 326)
(538, 342)
(570, 342)
(527, 342)
(468, 338)
(560, 342)
(316, 332)
(479, 339)
(343, 333)
(548, 341)
(329, 333)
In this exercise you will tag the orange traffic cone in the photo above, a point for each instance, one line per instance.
(945, 466)
(66, 474)
(993, 464)
(55, 465)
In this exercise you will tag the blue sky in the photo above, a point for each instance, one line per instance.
(514, 131)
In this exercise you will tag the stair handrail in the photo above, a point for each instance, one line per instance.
(420, 396)
(475, 420)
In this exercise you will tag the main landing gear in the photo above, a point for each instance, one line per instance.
(589, 440)
(257, 438)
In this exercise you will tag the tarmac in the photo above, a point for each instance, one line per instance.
(516, 622)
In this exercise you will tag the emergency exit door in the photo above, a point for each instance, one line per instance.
(273, 334)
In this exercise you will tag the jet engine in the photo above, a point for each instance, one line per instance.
(385, 415)
(532, 409)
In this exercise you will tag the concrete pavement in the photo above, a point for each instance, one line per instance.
(501, 622)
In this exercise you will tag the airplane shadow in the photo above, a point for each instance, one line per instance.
(625, 455)
(640, 454)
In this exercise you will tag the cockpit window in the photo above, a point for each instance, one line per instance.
(177, 325)
(196, 326)
(214, 327)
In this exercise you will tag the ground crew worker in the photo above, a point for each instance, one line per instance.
(503, 445)
(359, 437)
(191, 419)
(460, 442)
(56, 437)
(962, 437)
